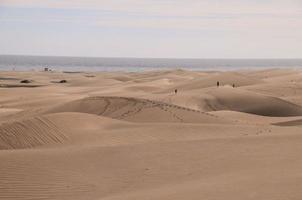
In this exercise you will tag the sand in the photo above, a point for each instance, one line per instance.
(119, 136)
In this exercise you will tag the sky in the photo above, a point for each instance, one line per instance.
(152, 28)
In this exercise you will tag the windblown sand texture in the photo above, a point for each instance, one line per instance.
(128, 136)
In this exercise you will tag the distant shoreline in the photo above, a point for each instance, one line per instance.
(27, 63)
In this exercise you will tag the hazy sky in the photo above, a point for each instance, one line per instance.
(152, 28)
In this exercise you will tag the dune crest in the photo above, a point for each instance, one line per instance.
(136, 110)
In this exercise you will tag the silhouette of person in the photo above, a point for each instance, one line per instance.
(218, 83)
(175, 91)
(233, 85)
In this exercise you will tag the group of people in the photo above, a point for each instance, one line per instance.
(218, 84)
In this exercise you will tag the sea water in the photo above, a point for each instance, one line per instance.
(25, 63)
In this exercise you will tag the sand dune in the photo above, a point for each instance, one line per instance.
(235, 99)
(173, 170)
(30, 133)
(271, 73)
(227, 78)
(116, 135)
(290, 123)
(252, 118)
(136, 110)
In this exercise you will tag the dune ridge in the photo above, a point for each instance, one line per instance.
(136, 110)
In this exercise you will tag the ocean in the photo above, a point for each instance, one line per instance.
(25, 63)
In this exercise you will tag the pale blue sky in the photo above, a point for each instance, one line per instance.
(152, 28)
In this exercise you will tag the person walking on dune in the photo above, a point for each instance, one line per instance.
(218, 83)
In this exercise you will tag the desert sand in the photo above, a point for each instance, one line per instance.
(128, 136)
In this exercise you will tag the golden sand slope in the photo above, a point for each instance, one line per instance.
(157, 170)
(136, 110)
(30, 133)
(117, 136)
(235, 99)
(290, 123)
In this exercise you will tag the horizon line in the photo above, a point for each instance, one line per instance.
(133, 57)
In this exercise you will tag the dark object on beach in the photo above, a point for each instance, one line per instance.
(8, 79)
(19, 86)
(89, 76)
(175, 91)
(62, 81)
(218, 83)
(46, 69)
(72, 72)
(25, 81)
(233, 85)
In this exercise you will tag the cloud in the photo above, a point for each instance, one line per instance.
(271, 27)
(168, 7)
(264, 16)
